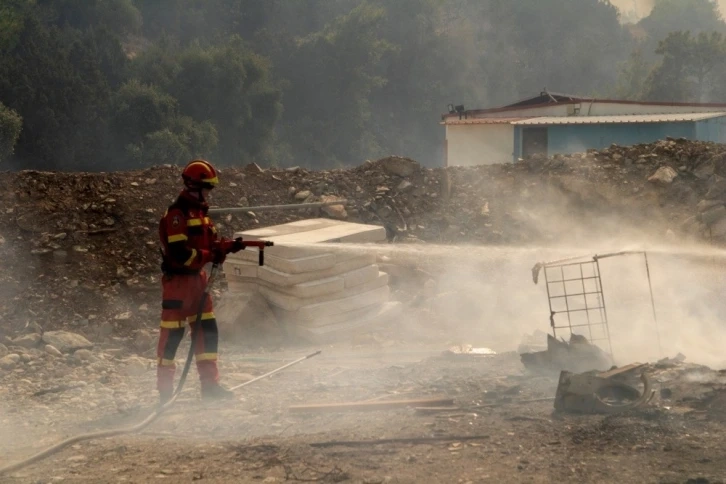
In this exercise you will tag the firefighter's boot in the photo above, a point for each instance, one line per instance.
(216, 392)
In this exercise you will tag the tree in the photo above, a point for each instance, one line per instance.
(564, 45)
(692, 68)
(229, 86)
(119, 16)
(148, 128)
(52, 79)
(331, 76)
(10, 126)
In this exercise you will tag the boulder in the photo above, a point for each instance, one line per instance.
(65, 341)
(396, 165)
(663, 175)
(716, 187)
(28, 340)
(334, 211)
(9, 362)
(713, 215)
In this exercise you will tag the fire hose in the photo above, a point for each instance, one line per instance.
(154, 415)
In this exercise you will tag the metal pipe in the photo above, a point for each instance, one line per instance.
(266, 208)
(270, 373)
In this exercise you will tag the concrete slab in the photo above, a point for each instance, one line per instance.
(292, 303)
(305, 290)
(361, 276)
(284, 279)
(240, 269)
(310, 263)
(312, 232)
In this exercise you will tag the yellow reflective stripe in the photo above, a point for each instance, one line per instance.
(172, 324)
(207, 220)
(205, 316)
(206, 356)
(192, 222)
(212, 181)
(177, 238)
(165, 362)
(191, 258)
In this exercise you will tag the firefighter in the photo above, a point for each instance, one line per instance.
(190, 241)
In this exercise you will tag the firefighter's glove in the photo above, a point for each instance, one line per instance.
(236, 245)
(218, 256)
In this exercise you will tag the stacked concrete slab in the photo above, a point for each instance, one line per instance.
(317, 292)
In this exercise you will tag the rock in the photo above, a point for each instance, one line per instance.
(704, 171)
(716, 187)
(52, 350)
(135, 366)
(143, 341)
(718, 229)
(9, 362)
(663, 175)
(105, 329)
(243, 202)
(82, 355)
(27, 341)
(253, 168)
(3, 350)
(303, 194)
(704, 205)
(334, 211)
(65, 341)
(395, 165)
(404, 185)
(713, 215)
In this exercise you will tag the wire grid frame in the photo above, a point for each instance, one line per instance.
(577, 302)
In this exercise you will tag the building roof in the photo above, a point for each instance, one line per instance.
(547, 99)
(484, 120)
(621, 119)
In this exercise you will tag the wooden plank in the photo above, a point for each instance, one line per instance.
(430, 410)
(411, 440)
(347, 406)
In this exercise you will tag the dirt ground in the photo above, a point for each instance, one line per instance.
(502, 427)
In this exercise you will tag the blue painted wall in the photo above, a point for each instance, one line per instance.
(579, 138)
(711, 130)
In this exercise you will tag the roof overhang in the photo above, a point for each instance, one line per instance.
(621, 119)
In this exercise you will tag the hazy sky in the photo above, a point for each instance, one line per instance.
(642, 7)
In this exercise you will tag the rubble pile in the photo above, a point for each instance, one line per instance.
(80, 250)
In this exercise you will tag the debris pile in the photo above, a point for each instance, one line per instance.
(81, 249)
(576, 356)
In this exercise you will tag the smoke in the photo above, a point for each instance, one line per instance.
(633, 10)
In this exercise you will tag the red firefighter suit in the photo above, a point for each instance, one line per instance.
(189, 241)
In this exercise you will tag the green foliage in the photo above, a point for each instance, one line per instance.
(110, 84)
(331, 75)
(10, 126)
(225, 84)
(692, 68)
(147, 123)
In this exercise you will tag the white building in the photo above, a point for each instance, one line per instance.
(556, 123)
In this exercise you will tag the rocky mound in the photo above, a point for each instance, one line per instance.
(80, 250)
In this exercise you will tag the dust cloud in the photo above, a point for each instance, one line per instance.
(485, 296)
